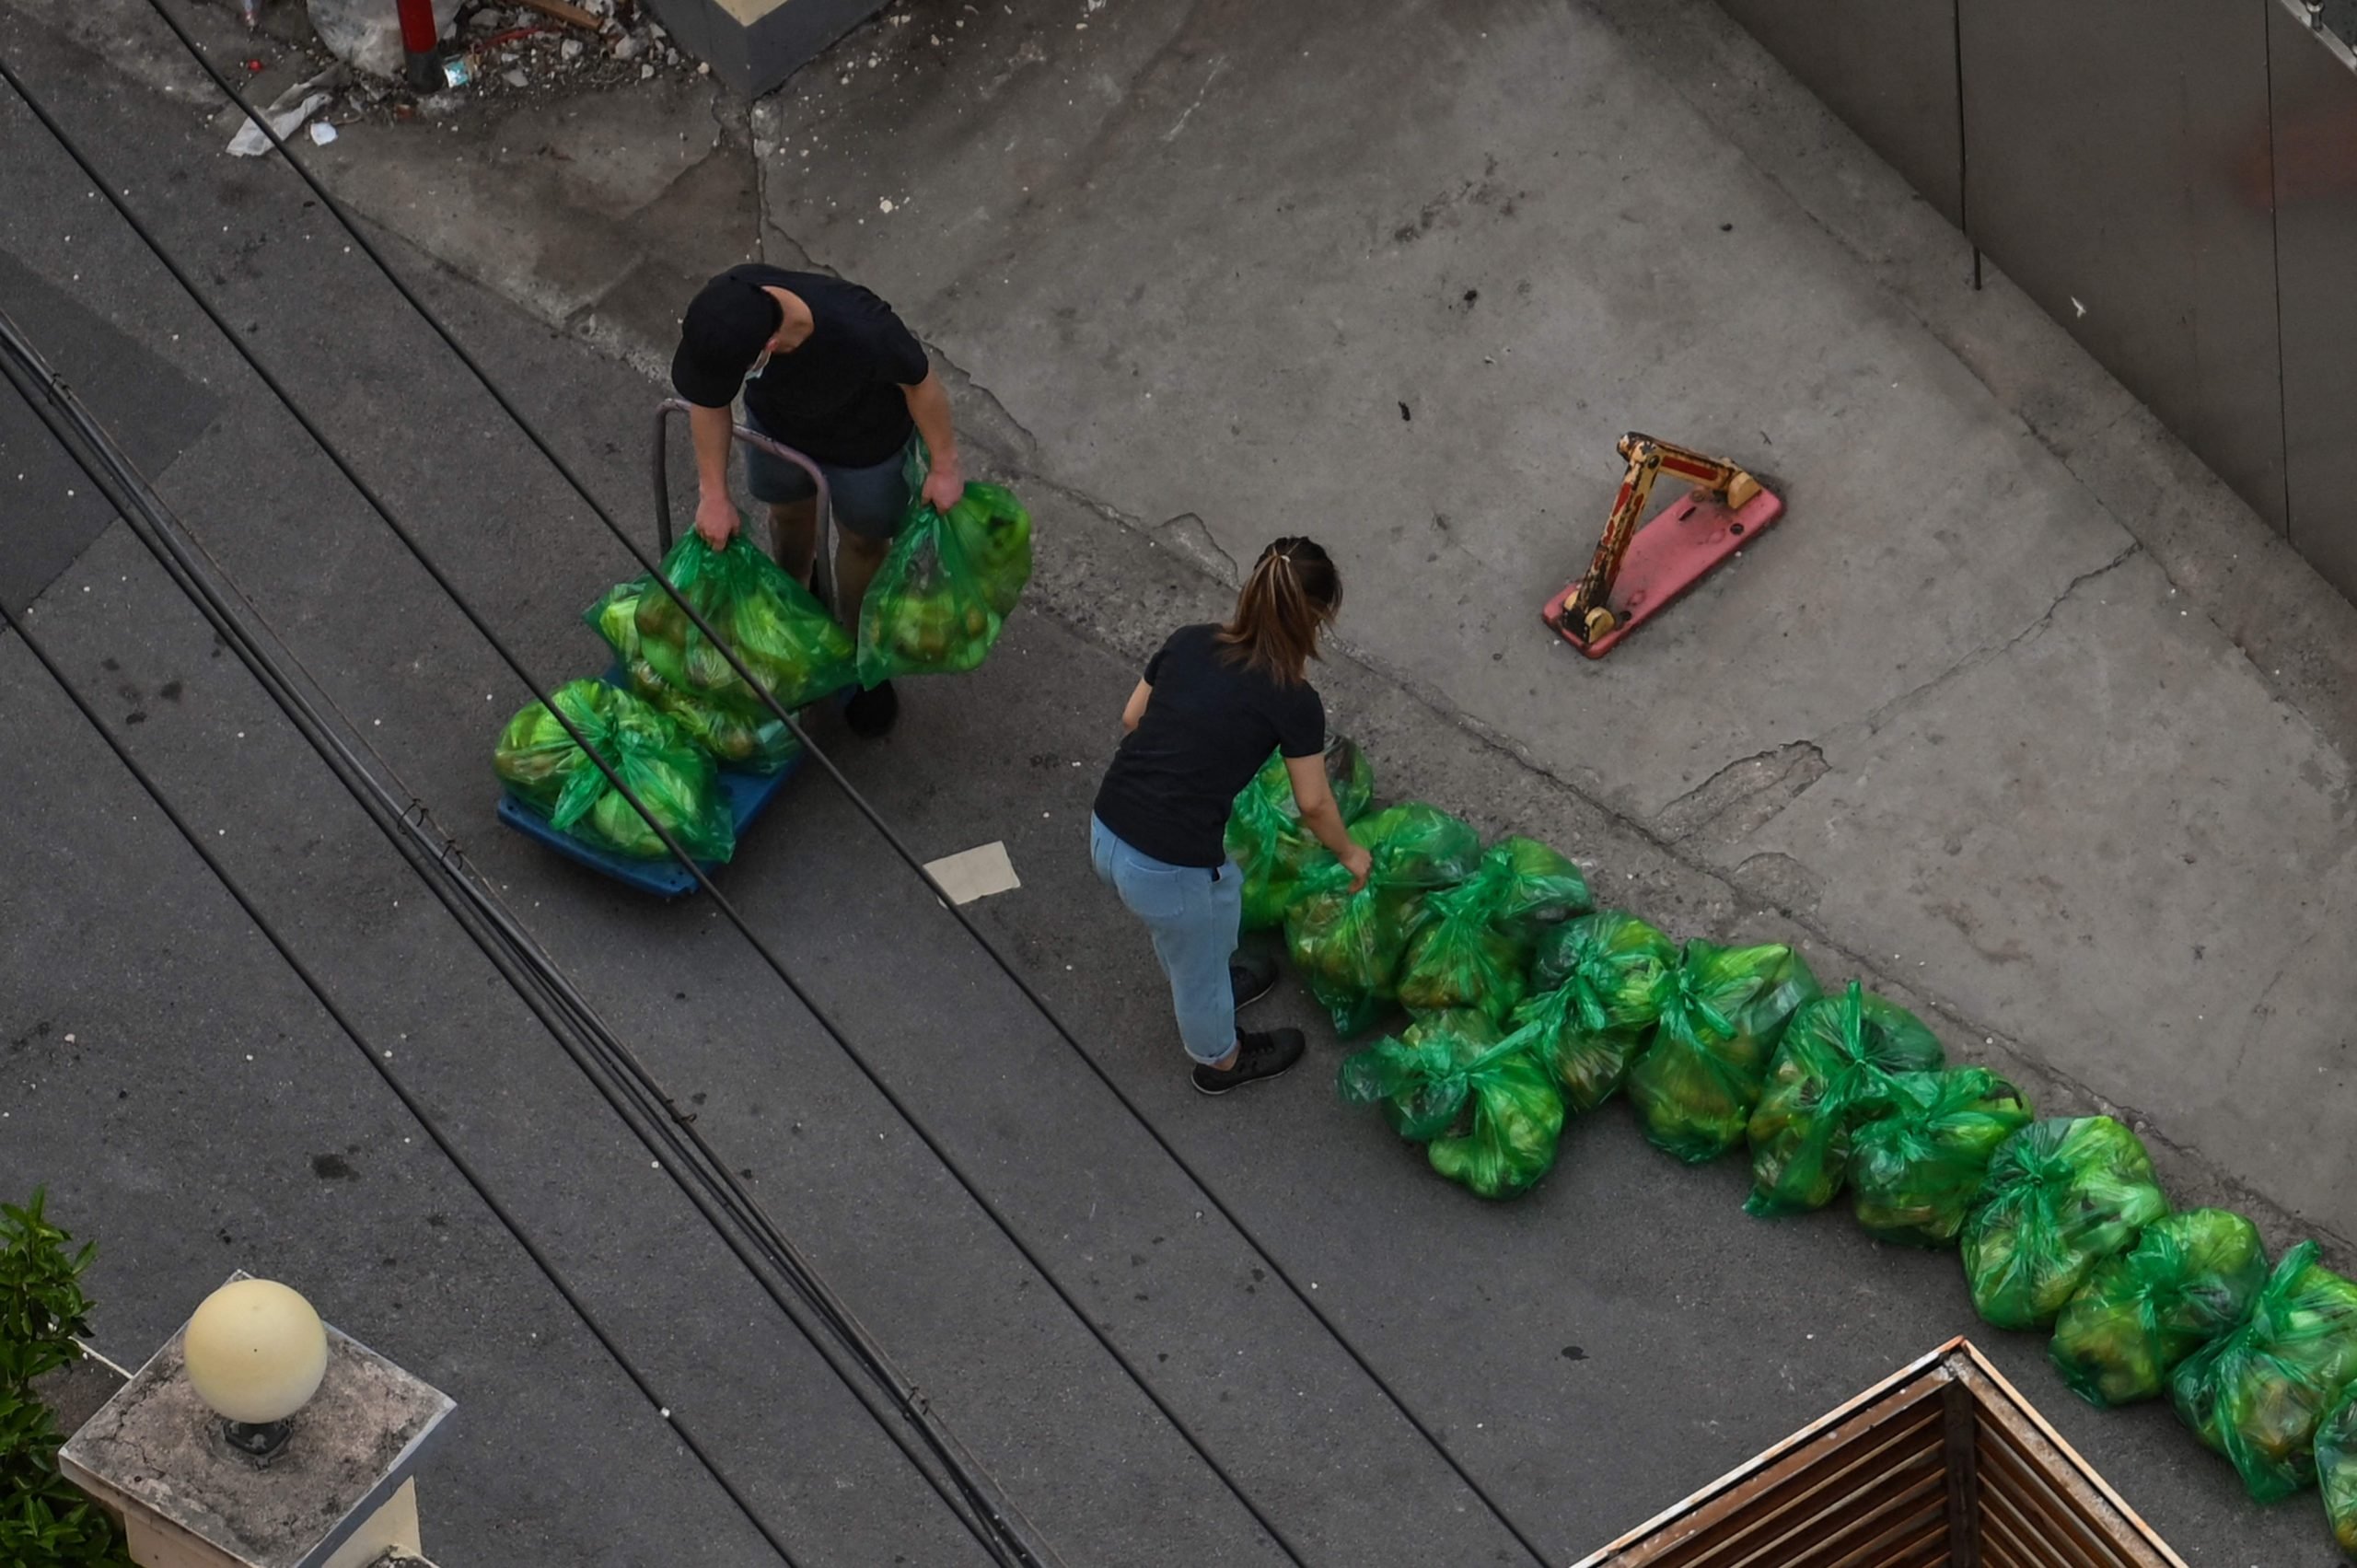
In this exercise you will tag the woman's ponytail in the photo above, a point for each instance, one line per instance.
(1293, 593)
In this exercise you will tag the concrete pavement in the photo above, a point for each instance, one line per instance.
(1221, 270)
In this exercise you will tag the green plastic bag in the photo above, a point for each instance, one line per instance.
(1621, 965)
(777, 630)
(1408, 1079)
(2190, 1278)
(928, 611)
(2336, 1452)
(995, 530)
(2062, 1195)
(756, 743)
(1265, 837)
(1538, 890)
(2258, 1393)
(1915, 1170)
(1724, 1009)
(1831, 1071)
(1347, 946)
(1491, 1118)
(1475, 949)
(543, 768)
(1601, 980)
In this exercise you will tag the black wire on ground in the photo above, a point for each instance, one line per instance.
(650, 1113)
(859, 801)
(704, 881)
(401, 1092)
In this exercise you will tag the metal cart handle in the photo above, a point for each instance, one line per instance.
(670, 406)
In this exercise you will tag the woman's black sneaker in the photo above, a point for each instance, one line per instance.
(1257, 1056)
(1250, 981)
(873, 711)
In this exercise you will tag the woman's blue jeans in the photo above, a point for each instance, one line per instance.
(1194, 914)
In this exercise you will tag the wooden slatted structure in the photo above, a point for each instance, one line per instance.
(1942, 1465)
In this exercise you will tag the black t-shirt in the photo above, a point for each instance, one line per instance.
(1209, 727)
(836, 396)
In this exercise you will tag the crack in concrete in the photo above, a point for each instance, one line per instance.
(1872, 723)
(1727, 791)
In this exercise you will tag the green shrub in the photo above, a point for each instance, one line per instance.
(45, 1521)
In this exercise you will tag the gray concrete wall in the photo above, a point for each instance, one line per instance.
(2174, 181)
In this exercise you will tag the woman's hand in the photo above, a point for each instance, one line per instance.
(1358, 863)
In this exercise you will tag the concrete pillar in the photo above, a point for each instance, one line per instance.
(339, 1494)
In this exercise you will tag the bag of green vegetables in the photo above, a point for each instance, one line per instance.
(1831, 1070)
(2190, 1278)
(1267, 841)
(1491, 1118)
(2336, 1452)
(544, 768)
(757, 742)
(2259, 1392)
(776, 629)
(1915, 1169)
(1602, 978)
(2062, 1195)
(1726, 1009)
(1476, 948)
(1347, 946)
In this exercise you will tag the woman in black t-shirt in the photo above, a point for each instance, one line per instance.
(1214, 702)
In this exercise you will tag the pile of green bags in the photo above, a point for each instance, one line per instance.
(2190, 1278)
(2259, 1392)
(1265, 836)
(2061, 1196)
(1528, 1007)
(937, 604)
(1833, 1069)
(546, 769)
(1349, 946)
(946, 586)
(1723, 1012)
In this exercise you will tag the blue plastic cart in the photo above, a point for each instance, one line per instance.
(748, 794)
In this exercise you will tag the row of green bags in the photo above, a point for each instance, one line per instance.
(2060, 1222)
(543, 767)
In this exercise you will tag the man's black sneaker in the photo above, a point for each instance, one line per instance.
(1250, 981)
(1257, 1056)
(873, 711)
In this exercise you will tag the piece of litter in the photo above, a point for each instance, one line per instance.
(885, 205)
(974, 873)
(250, 140)
(321, 132)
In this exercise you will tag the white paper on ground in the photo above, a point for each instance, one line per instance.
(976, 873)
(249, 142)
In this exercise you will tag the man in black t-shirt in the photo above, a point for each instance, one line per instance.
(828, 369)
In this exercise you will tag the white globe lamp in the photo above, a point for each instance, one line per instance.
(255, 1352)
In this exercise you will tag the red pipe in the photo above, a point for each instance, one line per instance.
(417, 26)
(418, 42)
